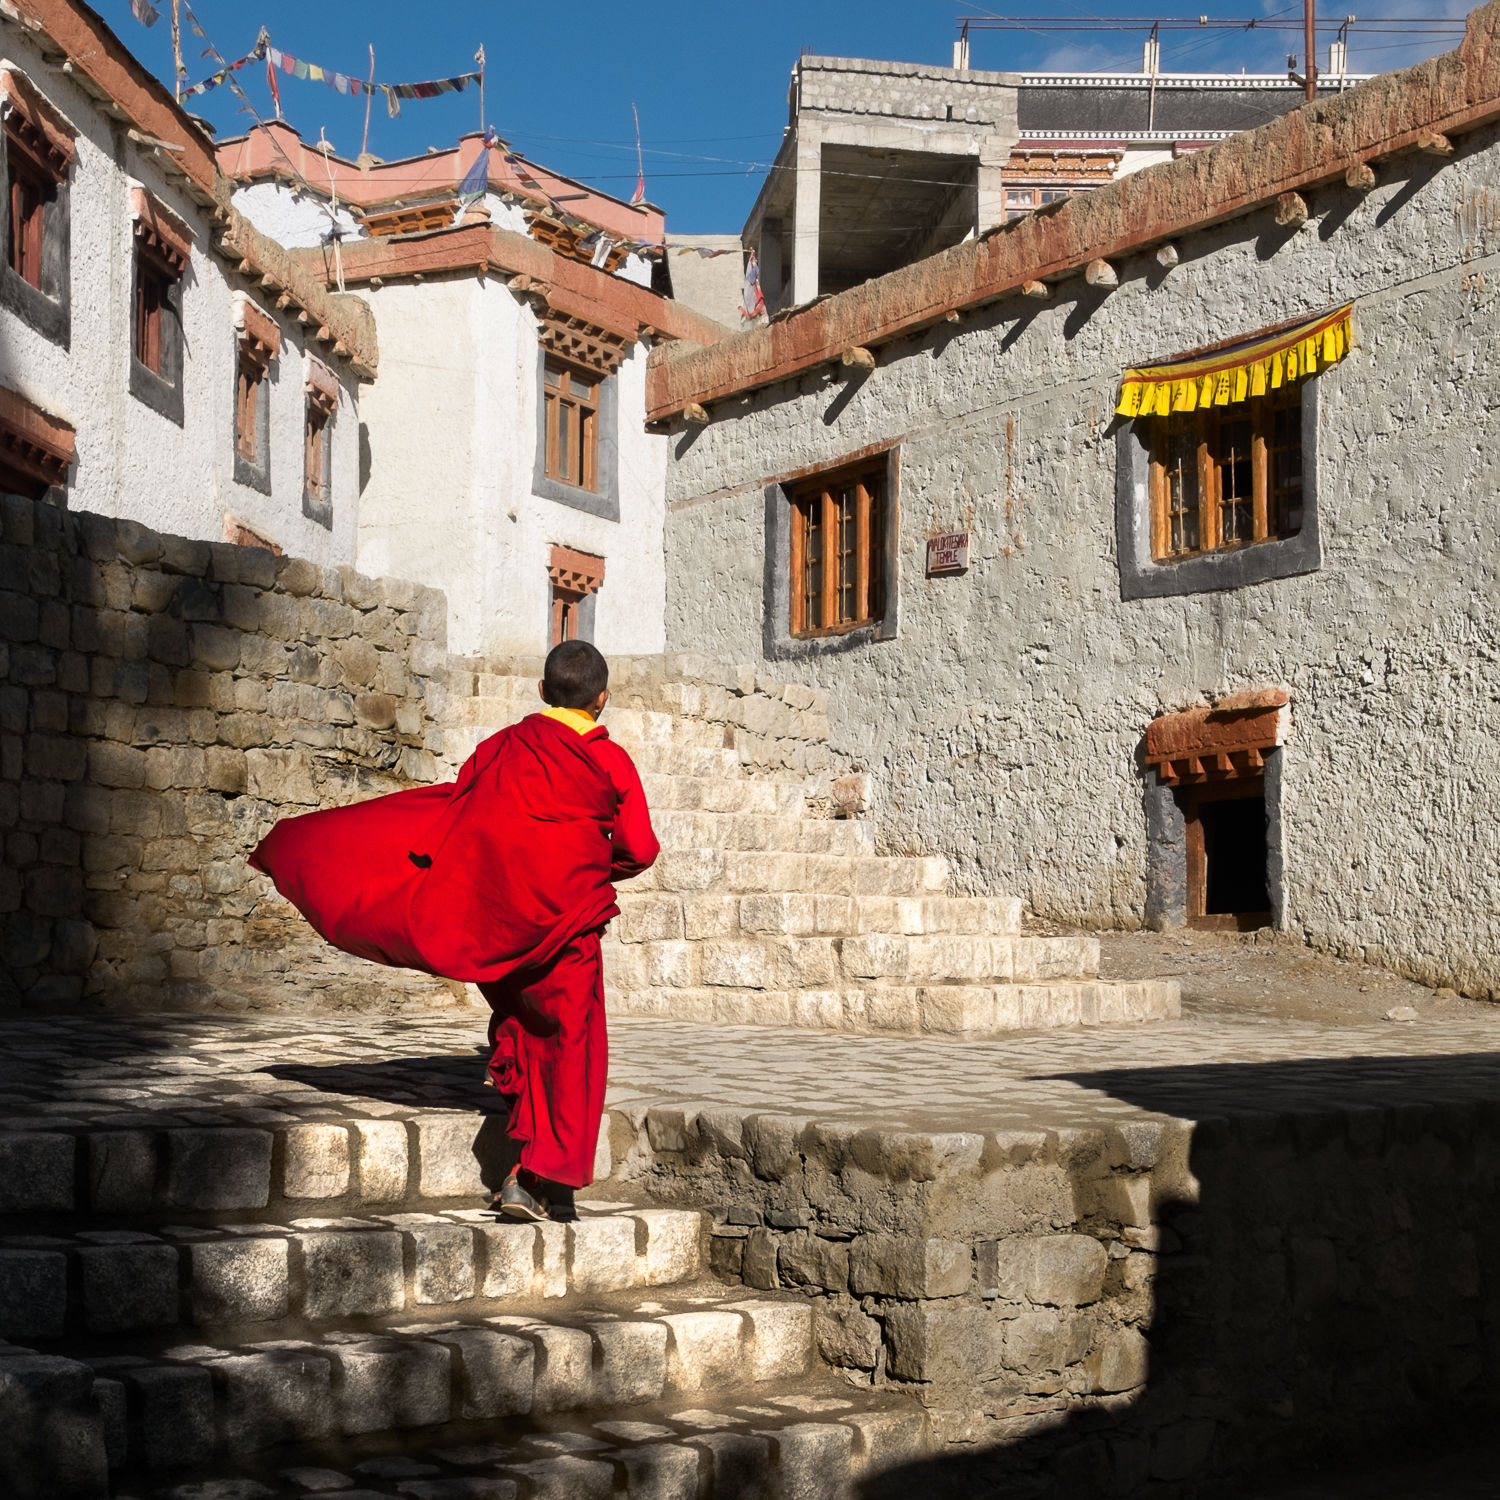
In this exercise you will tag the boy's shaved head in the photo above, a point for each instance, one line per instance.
(574, 676)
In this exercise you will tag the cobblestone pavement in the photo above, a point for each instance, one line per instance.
(268, 1070)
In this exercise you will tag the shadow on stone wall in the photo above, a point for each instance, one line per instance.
(162, 702)
(1330, 1295)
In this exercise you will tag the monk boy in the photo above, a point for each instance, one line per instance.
(503, 878)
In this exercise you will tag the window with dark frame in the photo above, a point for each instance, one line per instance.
(36, 165)
(574, 577)
(162, 248)
(314, 449)
(29, 192)
(571, 395)
(258, 342)
(247, 394)
(838, 546)
(1226, 477)
(153, 291)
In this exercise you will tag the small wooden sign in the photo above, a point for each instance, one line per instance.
(948, 553)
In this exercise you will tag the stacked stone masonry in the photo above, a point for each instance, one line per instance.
(765, 908)
(163, 702)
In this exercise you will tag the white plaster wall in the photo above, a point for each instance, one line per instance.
(1003, 723)
(1137, 158)
(449, 503)
(294, 218)
(131, 461)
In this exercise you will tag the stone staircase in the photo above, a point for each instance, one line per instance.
(425, 1349)
(767, 907)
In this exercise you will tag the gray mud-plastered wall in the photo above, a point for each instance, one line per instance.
(1003, 723)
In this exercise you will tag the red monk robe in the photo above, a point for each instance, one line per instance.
(503, 878)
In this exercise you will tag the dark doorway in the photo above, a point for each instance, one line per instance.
(1226, 849)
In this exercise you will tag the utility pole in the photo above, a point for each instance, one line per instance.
(1310, 45)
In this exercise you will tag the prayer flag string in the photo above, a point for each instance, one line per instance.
(340, 83)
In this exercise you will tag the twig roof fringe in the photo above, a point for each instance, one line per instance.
(1239, 371)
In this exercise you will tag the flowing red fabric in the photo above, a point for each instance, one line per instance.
(472, 879)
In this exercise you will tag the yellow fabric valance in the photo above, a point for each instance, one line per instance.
(1238, 372)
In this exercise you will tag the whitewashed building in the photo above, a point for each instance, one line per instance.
(159, 359)
(507, 459)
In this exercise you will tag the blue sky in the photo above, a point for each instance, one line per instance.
(709, 79)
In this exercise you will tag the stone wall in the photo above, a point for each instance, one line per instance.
(164, 702)
(1148, 1308)
(1001, 726)
(774, 727)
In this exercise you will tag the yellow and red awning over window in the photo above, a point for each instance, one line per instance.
(1239, 371)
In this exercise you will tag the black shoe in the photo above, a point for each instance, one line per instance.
(516, 1201)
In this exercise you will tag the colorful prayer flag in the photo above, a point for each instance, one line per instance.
(476, 179)
(752, 303)
(271, 79)
(144, 12)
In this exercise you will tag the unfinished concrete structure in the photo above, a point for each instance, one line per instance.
(884, 163)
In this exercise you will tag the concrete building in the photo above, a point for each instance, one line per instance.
(160, 360)
(707, 273)
(1064, 627)
(884, 163)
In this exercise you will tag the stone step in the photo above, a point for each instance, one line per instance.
(315, 1271)
(635, 729)
(755, 871)
(814, 1440)
(912, 1010)
(723, 794)
(679, 829)
(667, 916)
(182, 1405)
(820, 962)
(258, 1154)
(665, 760)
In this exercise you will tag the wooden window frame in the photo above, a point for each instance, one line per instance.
(585, 412)
(851, 569)
(1209, 423)
(153, 296)
(249, 379)
(314, 449)
(39, 154)
(28, 188)
(573, 576)
(257, 344)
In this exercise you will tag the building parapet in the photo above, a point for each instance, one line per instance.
(566, 285)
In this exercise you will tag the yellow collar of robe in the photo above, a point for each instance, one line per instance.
(574, 718)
